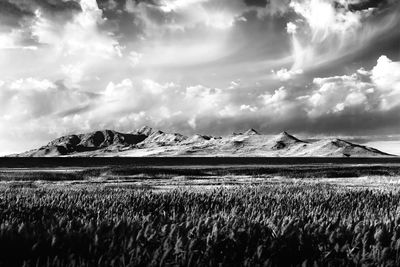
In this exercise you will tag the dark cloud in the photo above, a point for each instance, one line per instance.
(76, 110)
(126, 26)
(59, 6)
(366, 4)
(119, 5)
(7, 8)
(11, 14)
(51, 6)
(17, 13)
(110, 5)
(258, 3)
(352, 123)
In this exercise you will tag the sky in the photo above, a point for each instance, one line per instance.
(310, 67)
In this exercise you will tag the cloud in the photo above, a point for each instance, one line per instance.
(325, 31)
(386, 77)
(377, 90)
(176, 5)
(364, 4)
(31, 98)
(248, 108)
(18, 16)
(180, 33)
(60, 6)
(291, 28)
(14, 40)
(83, 26)
(324, 18)
(276, 98)
(19, 13)
(61, 25)
(29, 111)
(258, 3)
(285, 74)
(11, 15)
(135, 58)
(266, 8)
(73, 73)
(337, 94)
(279, 104)
(278, 6)
(62, 40)
(176, 15)
(166, 16)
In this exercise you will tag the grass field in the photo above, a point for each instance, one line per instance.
(280, 215)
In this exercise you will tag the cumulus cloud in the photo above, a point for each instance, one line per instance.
(285, 74)
(335, 94)
(291, 28)
(386, 75)
(248, 108)
(174, 5)
(279, 104)
(366, 91)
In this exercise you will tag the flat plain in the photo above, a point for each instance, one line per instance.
(182, 212)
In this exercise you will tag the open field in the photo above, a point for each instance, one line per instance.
(72, 169)
(204, 215)
(187, 161)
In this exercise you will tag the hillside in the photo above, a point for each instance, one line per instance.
(150, 142)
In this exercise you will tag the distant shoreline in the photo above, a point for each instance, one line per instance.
(8, 162)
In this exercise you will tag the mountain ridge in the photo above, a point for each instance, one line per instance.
(147, 141)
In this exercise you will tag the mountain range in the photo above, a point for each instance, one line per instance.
(149, 142)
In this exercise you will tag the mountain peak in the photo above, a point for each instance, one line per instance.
(284, 139)
(251, 131)
(285, 134)
(144, 130)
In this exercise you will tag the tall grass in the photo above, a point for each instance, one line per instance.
(275, 225)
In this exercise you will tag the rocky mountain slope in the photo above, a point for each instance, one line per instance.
(150, 142)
